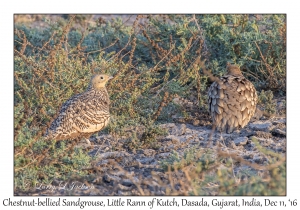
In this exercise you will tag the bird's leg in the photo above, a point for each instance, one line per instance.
(209, 144)
(88, 144)
(222, 139)
(221, 136)
(74, 142)
(87, 141)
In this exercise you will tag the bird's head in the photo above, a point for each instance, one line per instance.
(233, 70)
(98, 81)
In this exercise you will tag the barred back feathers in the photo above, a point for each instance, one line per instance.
(232, 100)
(83, 114)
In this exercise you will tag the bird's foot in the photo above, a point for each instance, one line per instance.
(88, 142)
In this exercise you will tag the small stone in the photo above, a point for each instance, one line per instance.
(232, 145)
(189, 104)
(241, 141)
(261, 125)
(186, 138)
(164, 155)
(280, 104)
(145, 160)
(128, 182)
(281, 126)
(171, 147)
(257, 115)
(56, 182)
(174, 139)
(279, 121)
(177, 101)
(127, 161)
(236, 132)
(126, 193)
(93, 192)
(265, 142)
(178, 130)
(261, 134)
(182, 129)
(139, 151)
(200, 136)
(279, 132)
(125, 188)
(170, 127)
(248, 156)
(111, 178)
(258, 159)
(195, 140)
(247, 132)
(149, 152)
(196, 122)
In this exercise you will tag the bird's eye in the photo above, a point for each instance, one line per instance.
(101, 77)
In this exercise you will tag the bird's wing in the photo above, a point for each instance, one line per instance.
(216, 105)
(62, 126)
(232, 102)
(248, 101)
(93, 114)
(84, 113)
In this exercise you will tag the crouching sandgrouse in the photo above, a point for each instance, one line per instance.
(231, 100)
(83, 114)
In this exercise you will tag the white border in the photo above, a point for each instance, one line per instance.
(8, 8)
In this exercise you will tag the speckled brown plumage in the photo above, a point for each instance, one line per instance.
(232, 100)
(83, 114)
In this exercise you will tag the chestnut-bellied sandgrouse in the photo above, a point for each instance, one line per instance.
(231, 100)
(83, 114)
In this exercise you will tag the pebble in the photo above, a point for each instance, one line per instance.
(126, 193)
(280, 132)
(258, 159)
(196, 122)
(279, 121)
(176, 130)
(182, 129)
(262, 134)
(125, 188)
(173, 138)
(261, 125)
(164, 155)
(127, 182)
(111, 178)
(149, 152)
(147, 160)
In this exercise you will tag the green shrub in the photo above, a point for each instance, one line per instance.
(265, 99)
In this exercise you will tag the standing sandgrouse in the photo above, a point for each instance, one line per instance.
(231, 100)
(83, 114)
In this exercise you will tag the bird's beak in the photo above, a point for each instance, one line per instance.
(110, 77)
